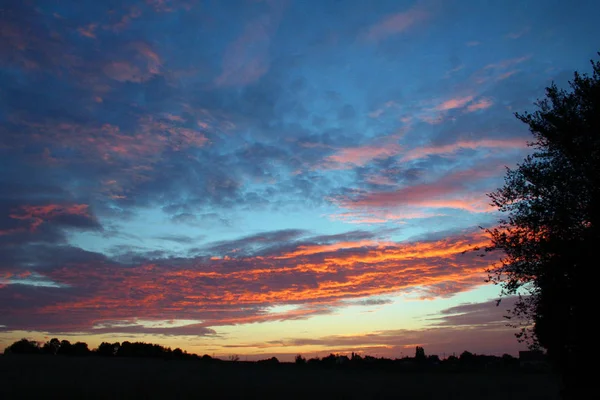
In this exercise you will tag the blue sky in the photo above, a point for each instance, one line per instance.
(242, 176)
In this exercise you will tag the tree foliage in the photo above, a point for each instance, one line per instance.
(550, 202)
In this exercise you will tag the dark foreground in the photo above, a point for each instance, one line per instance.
(101, 378)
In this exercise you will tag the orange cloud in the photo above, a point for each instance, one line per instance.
(242, 289)
(37, 215)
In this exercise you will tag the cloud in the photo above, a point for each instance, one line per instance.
(507, 63)
(142, 67)
(394, 24)
(442, 341)
(357, 156)
(88, 31)
(488, 313)
(450, 191)
(517, 34)
(73, 215)
(246, 59)
(458, 102)
(315, 273)
(422, 152)
(482, 104)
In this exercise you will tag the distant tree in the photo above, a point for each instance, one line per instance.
(23, 346)
(420, 354)
(314, 361)
(80, 349)
(107, 349)
(269, 361)
(51, 347)
(466, 357)
(300, 360)
(66, 348)
(356, 358)
(329, 360)
(177, 353)
(551, 230)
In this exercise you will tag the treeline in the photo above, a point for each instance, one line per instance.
(81, 349)
(465, 361)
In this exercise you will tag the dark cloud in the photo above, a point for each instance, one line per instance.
(490, 312)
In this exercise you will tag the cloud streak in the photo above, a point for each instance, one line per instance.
(237, 290)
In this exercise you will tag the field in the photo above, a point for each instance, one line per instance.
(100, 378)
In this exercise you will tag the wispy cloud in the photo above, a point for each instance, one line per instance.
(517, 34)
(457, 102)
(247, 58)
(421, 152)
(480, 104)
(395, 23)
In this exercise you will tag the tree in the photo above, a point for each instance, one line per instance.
(299, 360)
(420, 354)
(65, 348)
(51, 347)
(552, 206)
(107, 349)
(23, 346)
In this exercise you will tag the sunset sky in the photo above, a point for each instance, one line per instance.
(267, 177)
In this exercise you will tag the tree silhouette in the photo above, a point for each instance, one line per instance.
(420, 354)
(107, 349)
(551, 229)
(23, 346)
(299, 360)
(65, 348)
(51, 347)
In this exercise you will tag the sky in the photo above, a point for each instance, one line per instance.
(267, 178)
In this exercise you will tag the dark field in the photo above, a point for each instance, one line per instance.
(101, 378)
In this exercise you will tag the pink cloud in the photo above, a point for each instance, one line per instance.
(88, 31)
(358, 156)
(506, 75)
(144, 65)
(517, 34)
(451, 191)
(246, 59)
(395, 23)
(380, 216)
(123, 71)
(422, 152)
(457, 102)
(482, 104)
(507, 63)
(37, 215)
